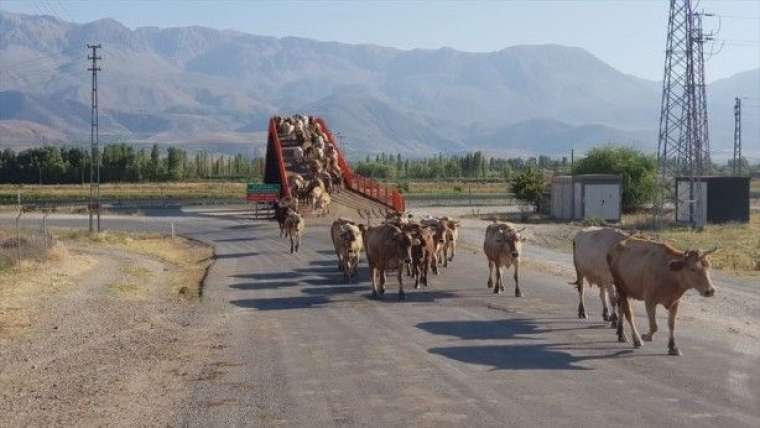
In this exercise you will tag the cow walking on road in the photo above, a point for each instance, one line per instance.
(348, 241)
(451, 234)
(502, 246)
(294, 228)
(423, 256)
(590, 248)
(659, 275)
(388, 248)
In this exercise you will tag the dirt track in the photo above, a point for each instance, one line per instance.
(104, 342)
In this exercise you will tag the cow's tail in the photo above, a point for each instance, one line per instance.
(578, 277)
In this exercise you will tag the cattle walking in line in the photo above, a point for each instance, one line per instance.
(348, 240)
(590, 248)
(658, 274)
(388, 248)
(353, 244)
(423, 256)
(294, 228)
(335, 231)
(282, 209)
(502, 246)
(450, 239)
(439, 237)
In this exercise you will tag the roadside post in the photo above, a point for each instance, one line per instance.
(262, 193)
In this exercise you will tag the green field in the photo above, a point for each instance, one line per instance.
(51, 194)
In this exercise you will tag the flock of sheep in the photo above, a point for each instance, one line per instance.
(313, 161)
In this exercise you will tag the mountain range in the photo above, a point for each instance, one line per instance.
(215, 90)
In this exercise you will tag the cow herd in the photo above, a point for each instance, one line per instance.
(399, 244)
(623, 266)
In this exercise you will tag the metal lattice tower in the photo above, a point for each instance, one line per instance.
(737, 165)
(684, 144)
(94, 140)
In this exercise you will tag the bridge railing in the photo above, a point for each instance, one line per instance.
(366, 187)
(275, 164)
(275, 172)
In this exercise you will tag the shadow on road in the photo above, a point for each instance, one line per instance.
(236, 255)
(282, 303)
(327, 291)
(264, 285)
(267, 276)
(236, 240)
(519, 357)
(483, 330)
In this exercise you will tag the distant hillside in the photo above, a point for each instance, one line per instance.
(191, 84)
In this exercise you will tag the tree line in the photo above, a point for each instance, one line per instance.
(122, 163)
(476, 165)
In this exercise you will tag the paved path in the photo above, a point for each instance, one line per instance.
(298, 347)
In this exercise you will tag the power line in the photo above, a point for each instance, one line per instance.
(683, 145)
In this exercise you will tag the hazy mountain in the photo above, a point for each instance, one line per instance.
(541, 136)
(209, 88)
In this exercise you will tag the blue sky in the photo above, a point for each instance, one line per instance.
(629, 35)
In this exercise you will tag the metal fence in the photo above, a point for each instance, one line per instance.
(25, 239)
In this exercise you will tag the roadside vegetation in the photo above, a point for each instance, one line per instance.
(637, 170)
(106, 318)
(739, 244)
(40, 273)
(188, 260)
(72, 193)
(123, 163)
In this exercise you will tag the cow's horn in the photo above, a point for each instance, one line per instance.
(520, 229)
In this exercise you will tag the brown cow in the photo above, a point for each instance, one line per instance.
(657, 274)
(590, 248)
(450, 239)
(282, 209)
(502, 246)
(439, 237)
(351, 246)
(294, 226)
(423, 256)
(335, 230)
(388, 248)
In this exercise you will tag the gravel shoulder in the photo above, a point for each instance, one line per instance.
(100, 336)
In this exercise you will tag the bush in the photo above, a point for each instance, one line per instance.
(637, 170)
(528, 186)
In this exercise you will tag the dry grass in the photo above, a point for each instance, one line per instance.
(20, 286)
(188, 259)
(447, 187)
(128, 191)
(739, 244)
(32, 280)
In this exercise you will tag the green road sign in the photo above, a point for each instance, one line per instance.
(255, 188)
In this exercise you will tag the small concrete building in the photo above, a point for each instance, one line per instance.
(587, 196)
(714, 200)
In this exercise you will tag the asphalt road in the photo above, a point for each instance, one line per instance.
(299, 347)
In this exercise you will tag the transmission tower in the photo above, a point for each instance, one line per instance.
(684, 144)
(94, 206)
(737, 165)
